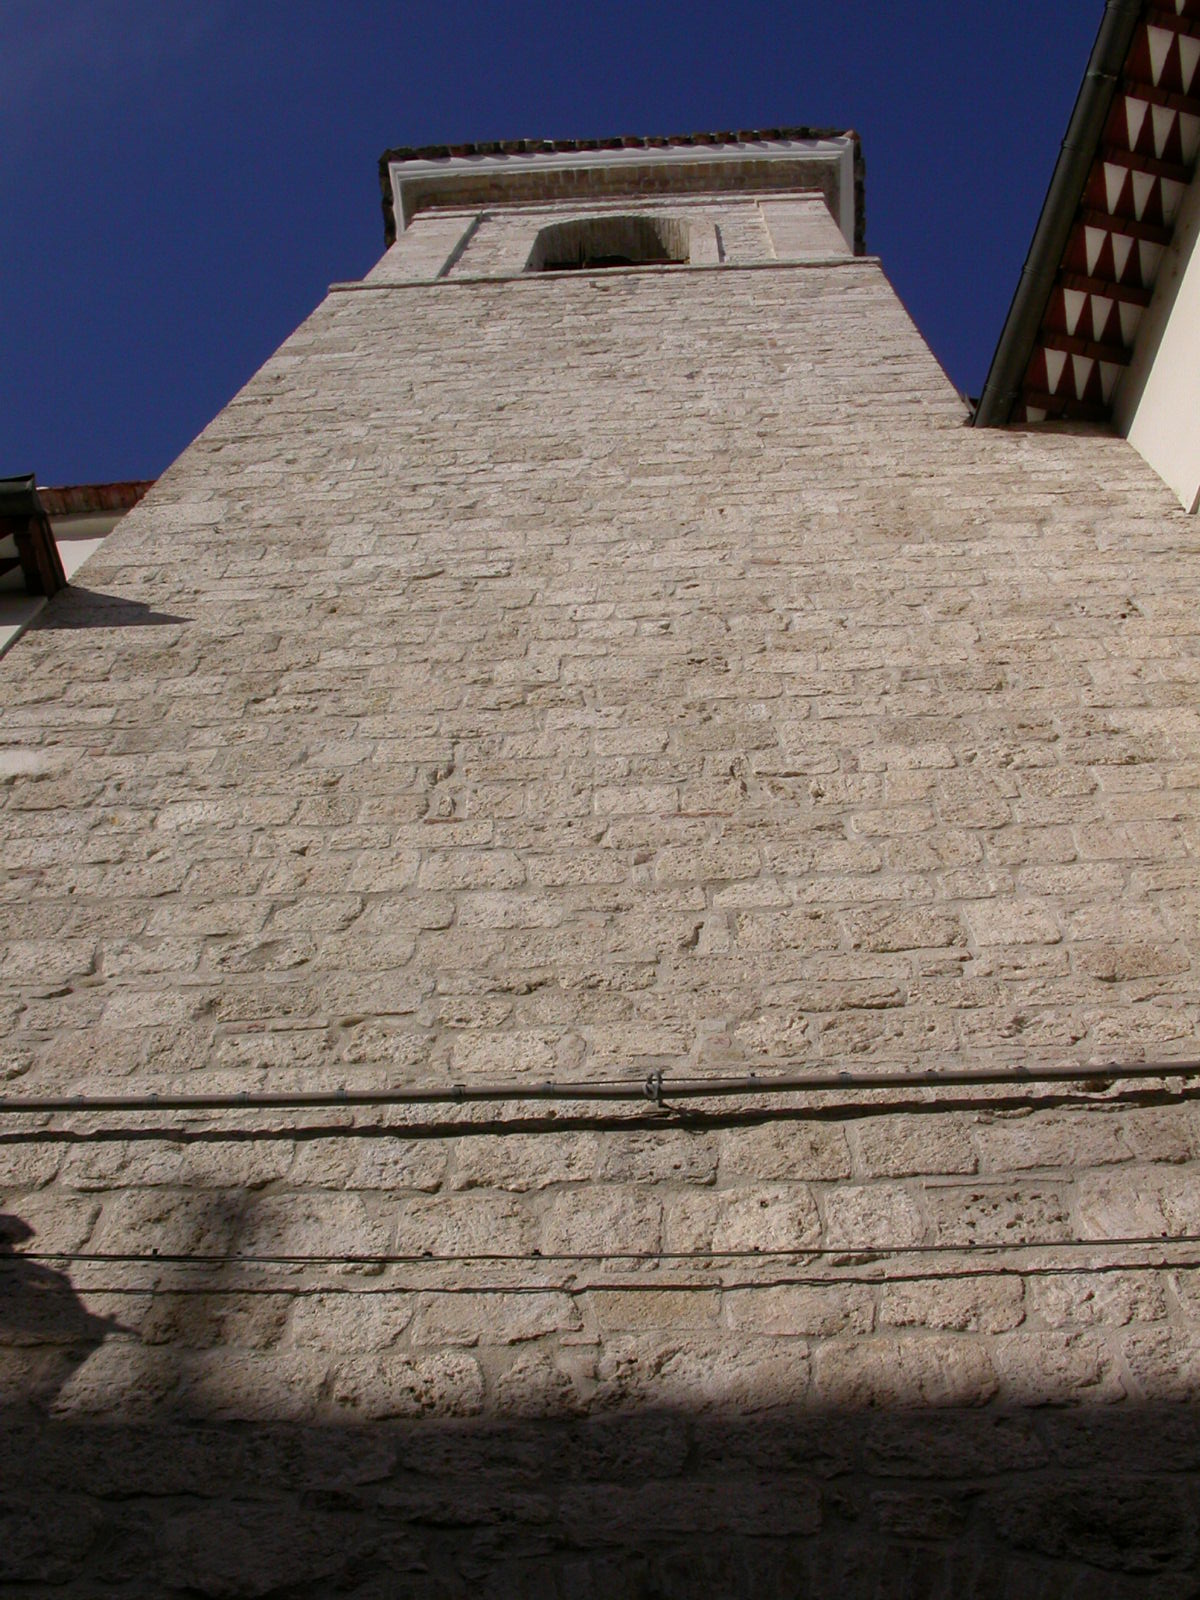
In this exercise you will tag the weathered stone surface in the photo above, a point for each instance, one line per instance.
(999, 1213)
(937, 1370)
(700, 1373)
(872, 1216)
(340, 1322)
(1057, 1367)
(794, 1150)
(1105, 1522)
(644, 1308)
(1049, 1139)
(744, 1220)
(443, 1384)
(1080, 1300)
(898, 1147)
(984, 1304)
(464, 1319)
(37, 1549)
(257, 1549)
(576, 677)
(790, 1310)
(520, 1162)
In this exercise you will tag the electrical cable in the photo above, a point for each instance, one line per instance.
(649, 1284)
(502, 1258)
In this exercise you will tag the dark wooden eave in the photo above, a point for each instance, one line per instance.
(24, 522)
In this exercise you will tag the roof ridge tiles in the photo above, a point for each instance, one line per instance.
(496, 147)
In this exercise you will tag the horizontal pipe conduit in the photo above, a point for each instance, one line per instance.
(657, 1088)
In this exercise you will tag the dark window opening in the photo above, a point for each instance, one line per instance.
(589, 261)
(595, 243)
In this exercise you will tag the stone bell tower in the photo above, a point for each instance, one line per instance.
(599, 911)
(490, 211)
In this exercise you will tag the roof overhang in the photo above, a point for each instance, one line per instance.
(28, 554)
(1128, 157)
(416, 180)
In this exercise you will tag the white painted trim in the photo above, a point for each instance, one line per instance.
(17, 611)
(1157, 400)
(847, 194)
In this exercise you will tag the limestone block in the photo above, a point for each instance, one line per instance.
(1056, 1368)
(699, 1373)
(466, 1319)
(871, 1217)
(897, 1147)
(795, 1150)
(1081, 1300)
(613, 1218)
(985, 1304)
(394, 1385)
(748, 1218)
(931, 1369)
(789, 1311)
(520, 1162)
(998, 1213)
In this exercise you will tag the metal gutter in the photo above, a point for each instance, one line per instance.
(1075, 160)
(657, 1088)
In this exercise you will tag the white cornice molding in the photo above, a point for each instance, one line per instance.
(824, 163)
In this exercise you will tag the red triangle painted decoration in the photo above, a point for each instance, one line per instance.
(1137, 118)
(1137, 65)
(1056, 312)
(1105, 266)
(1092, 388)
(1173, 144)
(1172, 72)
(1154, 211)
(1106, 330)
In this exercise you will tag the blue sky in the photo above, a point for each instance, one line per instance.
(183, 178)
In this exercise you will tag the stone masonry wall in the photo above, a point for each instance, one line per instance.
(724, 228)
(580, 677)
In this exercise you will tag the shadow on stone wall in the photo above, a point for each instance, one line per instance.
(926, 1505)
(1095, 1501)
(43, 1317)
(77, 607)
(991, 1504)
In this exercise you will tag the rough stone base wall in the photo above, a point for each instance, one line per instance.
(995, 1505)
(580, 678)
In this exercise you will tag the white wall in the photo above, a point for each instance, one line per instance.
(1157, 402)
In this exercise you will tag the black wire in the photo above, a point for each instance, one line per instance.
(492, 1258)
(646, 1285)
(650, 1118)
